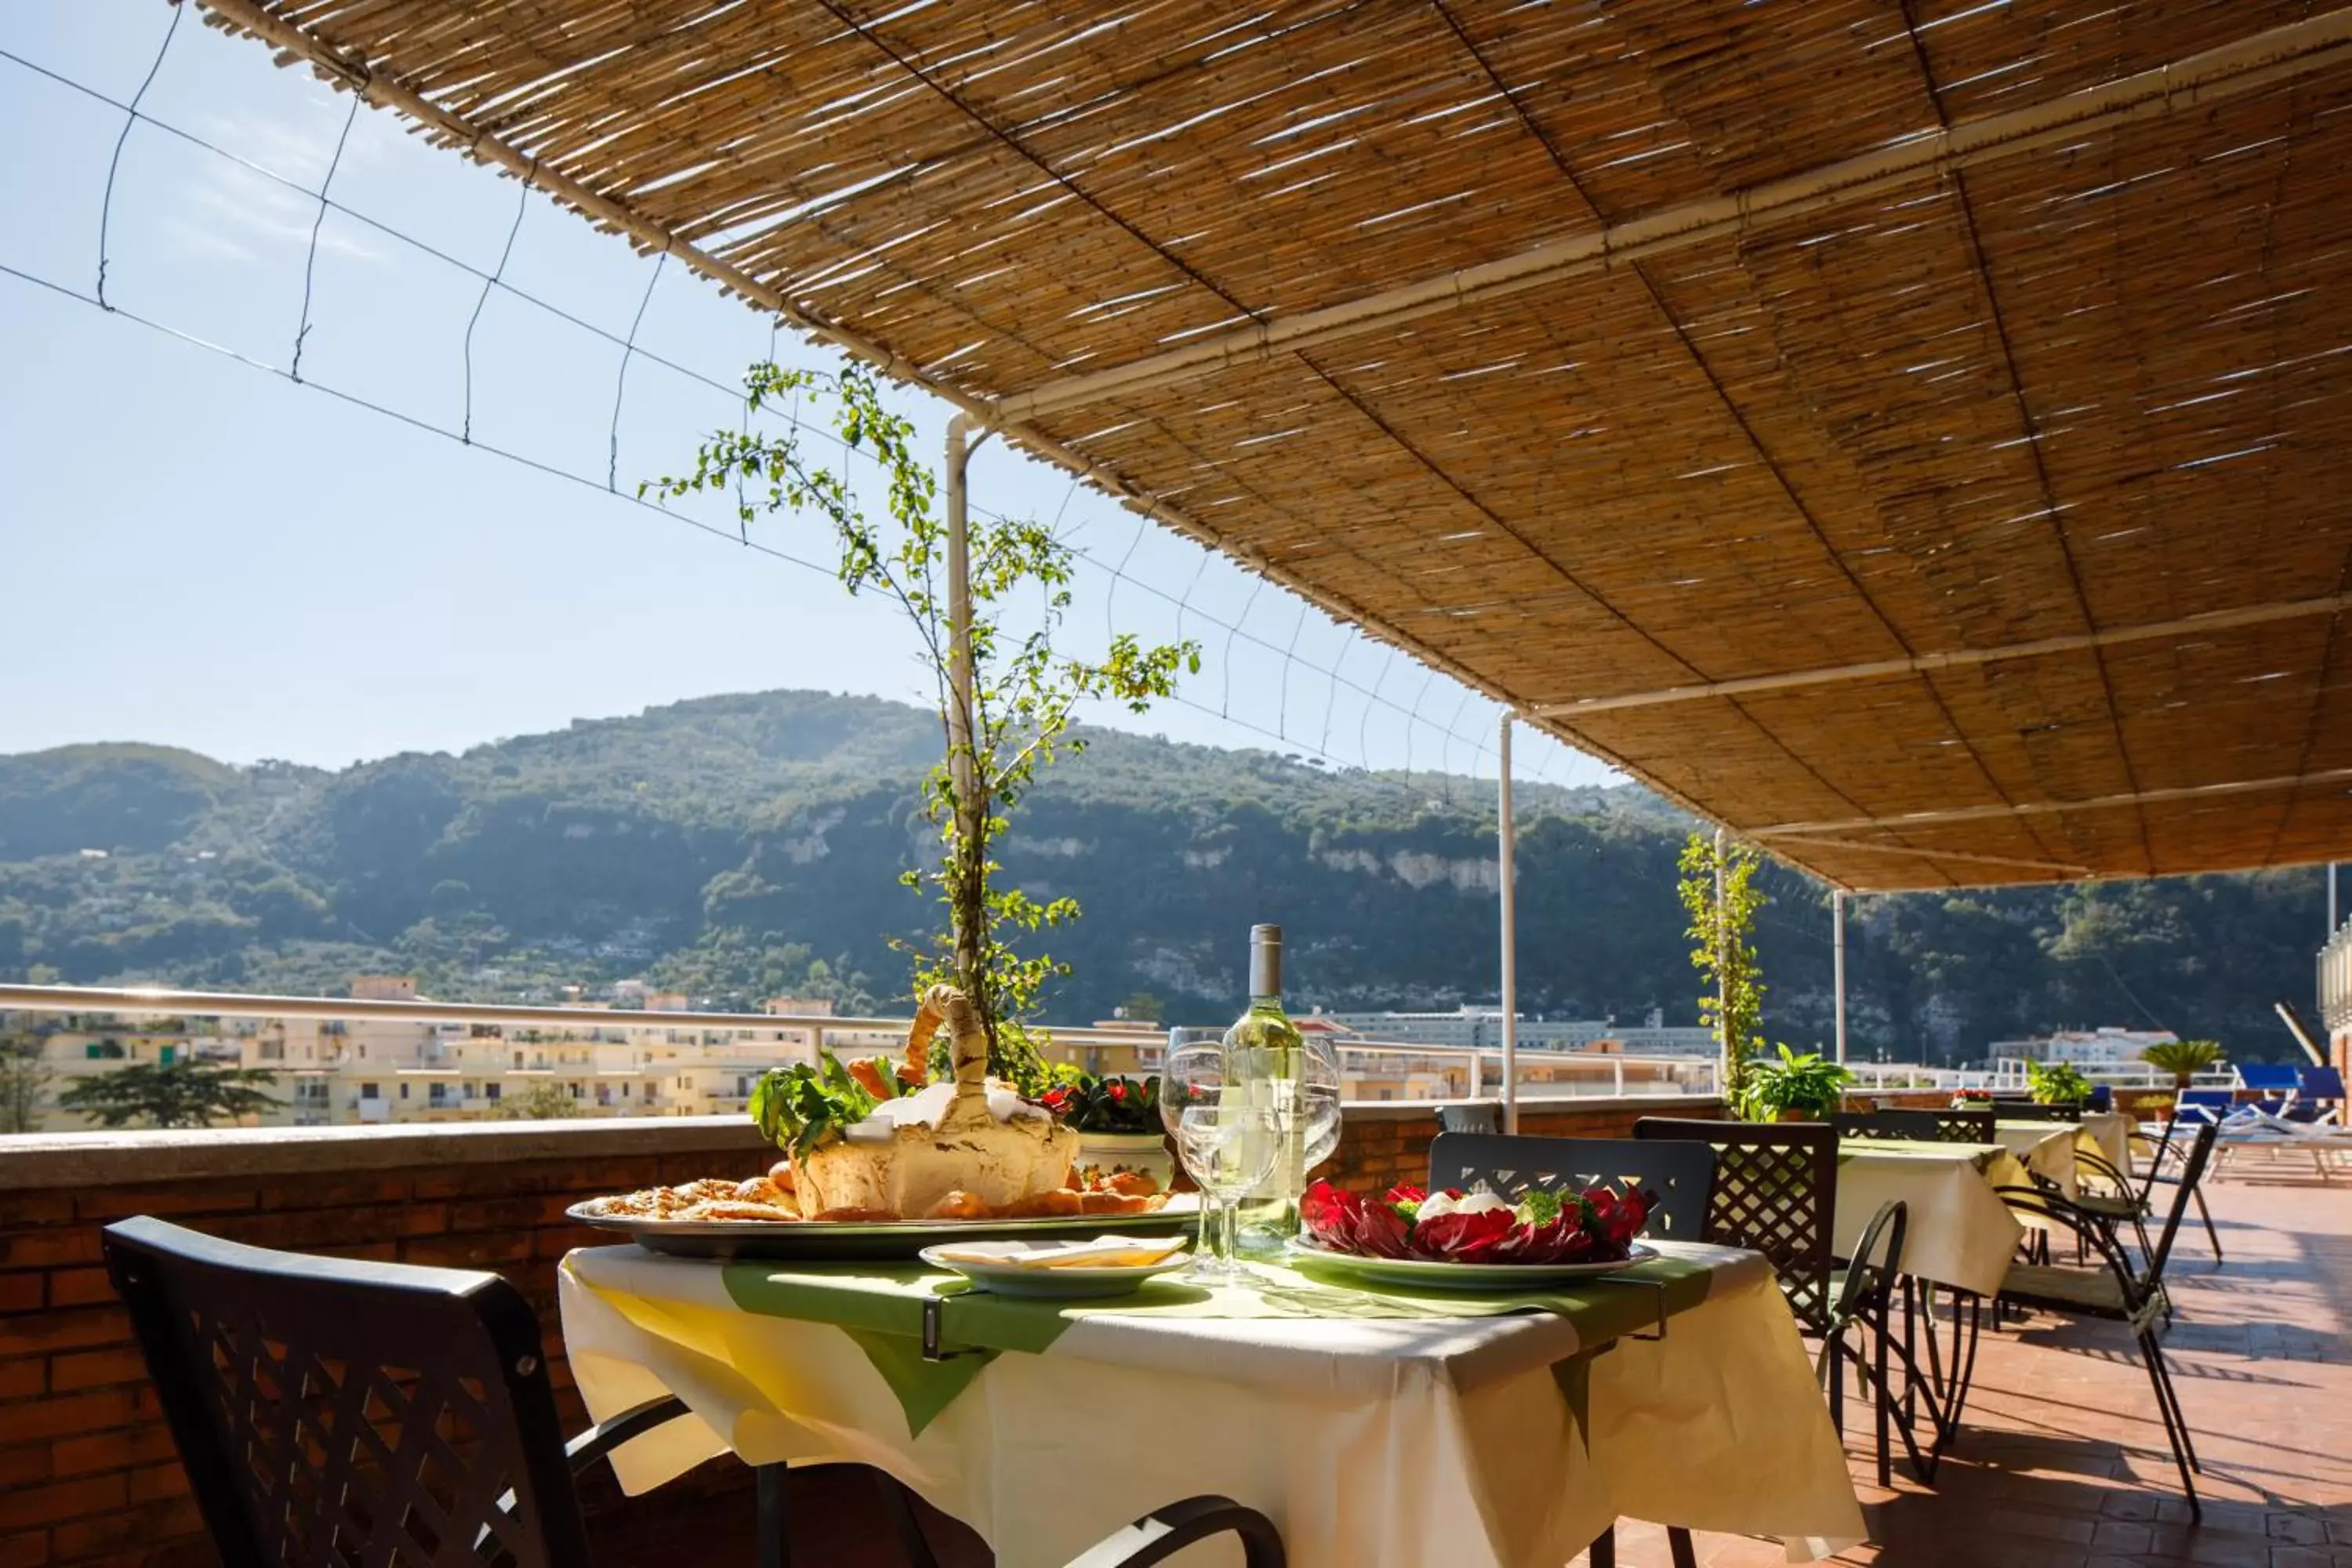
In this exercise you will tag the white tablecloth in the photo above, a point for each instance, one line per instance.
(1958, 1231)
(1436, 1443)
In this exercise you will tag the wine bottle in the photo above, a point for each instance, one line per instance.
(1263, 1047)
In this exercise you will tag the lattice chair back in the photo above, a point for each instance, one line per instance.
(351, 1414)
(1775, 1193)
(1682, 1176)
(2030, 1110)
(1915, 1126)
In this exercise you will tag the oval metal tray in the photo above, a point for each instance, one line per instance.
(818, 1241)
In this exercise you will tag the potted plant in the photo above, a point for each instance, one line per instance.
(2056, 1083)
(1971, 1099)
(1117, 1123)
(2182, 1058)
(1797, 1087)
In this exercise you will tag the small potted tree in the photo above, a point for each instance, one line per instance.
(1798, 1087)
(2056, 1083)
(2182, 1058)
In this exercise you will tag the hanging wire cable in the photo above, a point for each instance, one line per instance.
(310, 260)
(130, 117)
(466, 431)
(496, 280)
(620, 381)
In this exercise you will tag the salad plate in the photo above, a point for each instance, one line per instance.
(1428, 1274)
(1004, 1275)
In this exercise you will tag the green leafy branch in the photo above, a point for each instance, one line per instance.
(1024, 693)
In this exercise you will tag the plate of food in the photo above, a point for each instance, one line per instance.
(1471, 1240)
(1060, 1270)
(880, 1163)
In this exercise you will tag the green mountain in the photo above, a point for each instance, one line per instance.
(740, 847)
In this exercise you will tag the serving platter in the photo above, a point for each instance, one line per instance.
(821, 1241)
(1425, 1274)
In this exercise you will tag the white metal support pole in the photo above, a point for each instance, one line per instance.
(1837, 964)
(961, 770)
(1722, 980)
(1507, 849)
(2331, 898)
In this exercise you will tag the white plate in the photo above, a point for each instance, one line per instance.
(1054, 1284)
(1422, 1273)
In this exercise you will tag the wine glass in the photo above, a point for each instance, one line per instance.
(1192, 1099)
(1228, 1146)
(1318, 1105)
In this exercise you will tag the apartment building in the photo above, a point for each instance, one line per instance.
(365, 1070)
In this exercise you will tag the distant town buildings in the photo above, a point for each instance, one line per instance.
(365, 1070)
(2081, 1047)
(1482, 1027)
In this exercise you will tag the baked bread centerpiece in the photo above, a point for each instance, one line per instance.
(968, 1137)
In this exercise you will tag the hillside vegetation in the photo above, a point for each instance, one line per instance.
(740, 847)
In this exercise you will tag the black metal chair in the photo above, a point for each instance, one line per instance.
(1915, 1126)
(2033, 1110)
(1681, 1177)
(331, 1413)
(2115, 1291)
(1776, 1193)
(2124, 1204)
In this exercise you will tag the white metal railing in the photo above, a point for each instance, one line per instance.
(1462, 1071)
(2335, 980)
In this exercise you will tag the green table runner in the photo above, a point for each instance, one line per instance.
(881, 1306)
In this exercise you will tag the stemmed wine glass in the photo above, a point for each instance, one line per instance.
(1319, 1104)
(1228, 1145)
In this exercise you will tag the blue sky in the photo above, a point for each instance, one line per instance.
(197, 552)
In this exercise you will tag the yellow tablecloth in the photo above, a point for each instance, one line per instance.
(2045, 1148)
(1957, 1230)
(1379, 1442)
(2111, 1132)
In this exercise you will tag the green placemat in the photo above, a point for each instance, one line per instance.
(881, 1306)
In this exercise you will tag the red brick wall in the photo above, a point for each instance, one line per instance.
(88, 1473)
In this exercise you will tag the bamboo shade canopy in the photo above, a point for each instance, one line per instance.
(1912, 432)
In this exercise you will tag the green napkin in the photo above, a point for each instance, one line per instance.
(880, 1307)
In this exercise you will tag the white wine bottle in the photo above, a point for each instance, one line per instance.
(1264, 1049)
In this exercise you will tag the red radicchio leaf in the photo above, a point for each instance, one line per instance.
(1382, 1232)
(1331, 1215)
(1461, 1238)
(1404, 1192)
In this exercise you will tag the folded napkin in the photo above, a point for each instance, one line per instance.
(1098, 1252)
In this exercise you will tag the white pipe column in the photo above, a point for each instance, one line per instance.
(961, 771)
(1722, 982)
(1507, 849)
(1837, 964)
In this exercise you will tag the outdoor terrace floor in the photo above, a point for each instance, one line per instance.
(2062, 1464)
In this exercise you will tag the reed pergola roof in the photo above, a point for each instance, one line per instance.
(1912, 432)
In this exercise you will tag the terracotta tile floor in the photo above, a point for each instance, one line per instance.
(2061, 1463)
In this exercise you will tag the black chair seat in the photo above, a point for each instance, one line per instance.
(332, 1413)
(2093, 1291)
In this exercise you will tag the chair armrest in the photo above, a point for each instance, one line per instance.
(1161, 1533)
(606, 1436)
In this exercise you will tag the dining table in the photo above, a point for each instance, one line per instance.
(1378, 1427)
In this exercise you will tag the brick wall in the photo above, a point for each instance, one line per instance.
(88, 1473)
